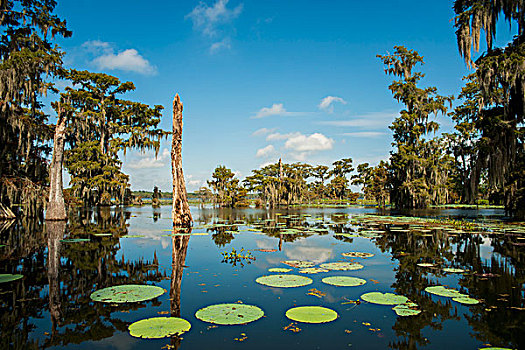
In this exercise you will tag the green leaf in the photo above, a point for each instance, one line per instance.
(311, 314)
(344, 281)
(229, 314)
(159, 327)
(6, 277)
(384, 299)
(284, 281)
(342, 266)
(127, 293)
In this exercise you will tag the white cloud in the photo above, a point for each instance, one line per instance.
(314, 142)
(377, 120)
(220, 45)
(151, 162)
(365, 134)
(265, 152)
(127, 60)
(207, 19)
(278, 136)
(96, 46)
(263, 131)
(275, 109)
(191, 181)
(327, 103)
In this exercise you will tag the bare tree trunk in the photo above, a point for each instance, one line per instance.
(56, 207)
(181, 210)
(178, 257)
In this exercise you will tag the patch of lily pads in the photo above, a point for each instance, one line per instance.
(159, 327)
(311, 314)
(452, 293)
(344, 281)
(384, 298)
(127, 293)
(279, 269)
(407, 309)
(284, 281)
(312, 270)
(341, 266)
(229, 314)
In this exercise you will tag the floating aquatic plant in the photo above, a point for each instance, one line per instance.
(298, 263)
(384, 298)
(7, 277)
(344, 281)
(311, 314)
(312, 270)
(341, 266)
(357, 255)
(229, 314)
(127, 293)
(279, 269)
(235, 257)
(159, 327)
(284, 281)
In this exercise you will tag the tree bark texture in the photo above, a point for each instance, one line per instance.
(181, 210)
(56, 207)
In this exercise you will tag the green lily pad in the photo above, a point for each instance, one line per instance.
(284, 281)
(494, 348)
(311, 270)
(453, 270)
(102, 234)
(229, 314)
(279, 269)
(357, 255)
(347, 235)
(444, 292)
(74, 240)
(466, 300)
(426, 265)
(132, 236)
(298, 263)
(159, 327)
(384, 299)
(344, 281)
(341, 266)
(7, 277)
(127, 293)
(311, 314)
(407, 309)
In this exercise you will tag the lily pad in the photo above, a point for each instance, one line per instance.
(229, 314)
(159, 327)
(298, 263)
(279, 269)
(7, 277)
(426, 265)
(357, 255)
(341, 266)
(407, 309)
(344, 281)
(444, 292)
(284, 281)
(311, 314)
(466, 300)
(384, 298)
(102, 234)
(453, 270)
(132, 236)
(311, 270)
(127, 293)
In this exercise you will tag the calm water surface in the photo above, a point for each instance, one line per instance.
(51, 306)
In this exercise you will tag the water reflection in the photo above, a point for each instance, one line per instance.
(50, 306)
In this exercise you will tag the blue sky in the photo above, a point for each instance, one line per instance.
(261, 80)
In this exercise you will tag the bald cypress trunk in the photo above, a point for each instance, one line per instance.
(181, 210)
(56, 207)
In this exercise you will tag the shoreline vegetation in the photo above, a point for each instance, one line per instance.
(89, 122)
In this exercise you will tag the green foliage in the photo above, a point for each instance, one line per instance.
(235, 257)
(95, 112)
(419, 167)
(29, 60)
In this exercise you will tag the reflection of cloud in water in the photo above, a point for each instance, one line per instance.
(314, 254)
(485, 249)
(265, 244)
(165, 242)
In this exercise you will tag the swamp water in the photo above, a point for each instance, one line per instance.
(228, 250)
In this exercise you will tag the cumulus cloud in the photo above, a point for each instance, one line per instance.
(208, 18)
(327, 103)
(265, 152)
(275, 109)
(278, 136)
(129, 60)
(304, 143)
(146, 162)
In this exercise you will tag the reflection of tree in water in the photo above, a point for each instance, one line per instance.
(178, 258)
(498, 326)
(74, 271)
(499, 283)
